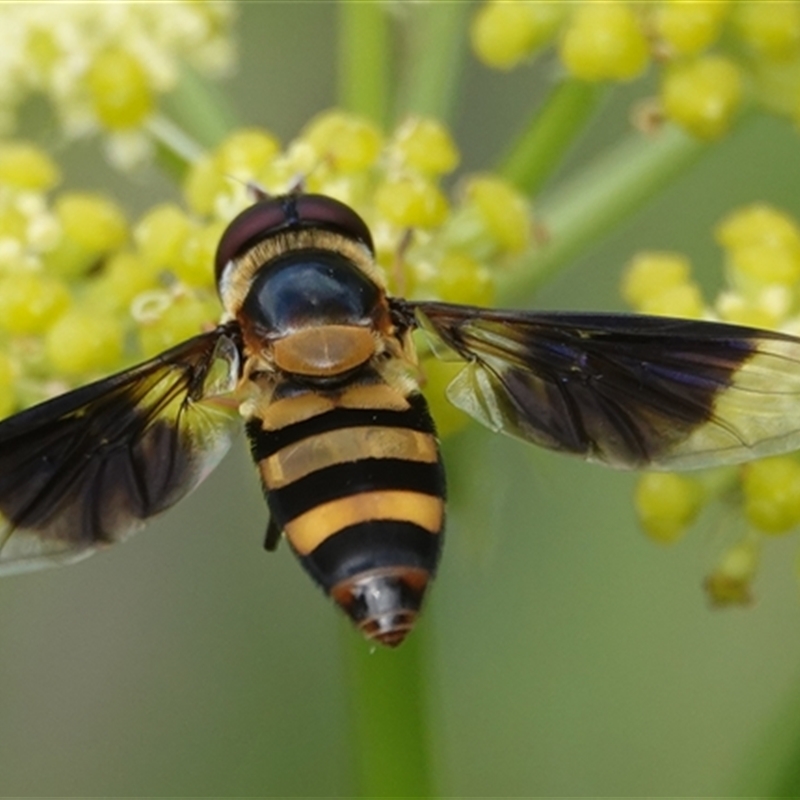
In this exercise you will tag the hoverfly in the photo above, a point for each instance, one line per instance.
(318, 360)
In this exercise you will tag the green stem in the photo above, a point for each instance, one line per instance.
(176, 151)
(194, 117)
(364, 59)
(553, 128)
(388, 709)
(592, 203)
(435, 47)
(199, 108)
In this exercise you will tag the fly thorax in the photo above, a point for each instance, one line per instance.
(314, 311)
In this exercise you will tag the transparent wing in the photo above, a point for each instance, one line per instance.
(627, 390)
(85, 469)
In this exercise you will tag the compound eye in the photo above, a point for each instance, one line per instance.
(286, 213)
(319, 211)
(253, 225)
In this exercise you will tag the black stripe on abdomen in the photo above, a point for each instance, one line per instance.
(264, 443)
(354, 477)
(381, 544)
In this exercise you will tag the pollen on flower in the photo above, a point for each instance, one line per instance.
(702, 95)
(604, 41)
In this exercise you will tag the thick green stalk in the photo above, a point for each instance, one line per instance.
(388, 710)
(435, 47)
(596, 200)
(550, 132)
(364, 53)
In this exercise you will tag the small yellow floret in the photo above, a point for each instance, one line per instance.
(91, 226)
(504, 211)
(160, 235)
(246, 152)
(425, 145)
(123, 277)
(667, 504)
(503, 33)
(731, 581)
(92, 221)
(13, 223)
(771, 490)
(762, 244)
(461, 279)
(346, 141)
(746, 310)
(203, 184)
(31, 302)
(83, 342)
(179, 319)
(25, 166)
(755, 224)
(770, 28)
(703, 95)
(651, 273)
(195, 264)
(119, 88)
(411, 202)
(690, 27)
(685, 300)
(604, 41)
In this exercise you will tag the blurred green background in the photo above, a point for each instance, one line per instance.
(569, 655)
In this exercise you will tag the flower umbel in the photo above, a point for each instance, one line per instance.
(102, 66)
(762, 263)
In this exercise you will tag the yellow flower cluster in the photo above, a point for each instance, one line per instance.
(762, 262)
(713, 56)
(102, 66)
(82, 292)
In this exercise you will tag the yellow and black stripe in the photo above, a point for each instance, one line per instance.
(359, 494)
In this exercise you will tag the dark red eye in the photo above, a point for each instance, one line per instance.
(288, 212)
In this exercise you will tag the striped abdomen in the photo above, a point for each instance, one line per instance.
(359, 494)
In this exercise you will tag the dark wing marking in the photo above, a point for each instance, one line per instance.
(84, 469)
(627, 390)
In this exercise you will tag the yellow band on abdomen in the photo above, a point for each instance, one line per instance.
(309, 530)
